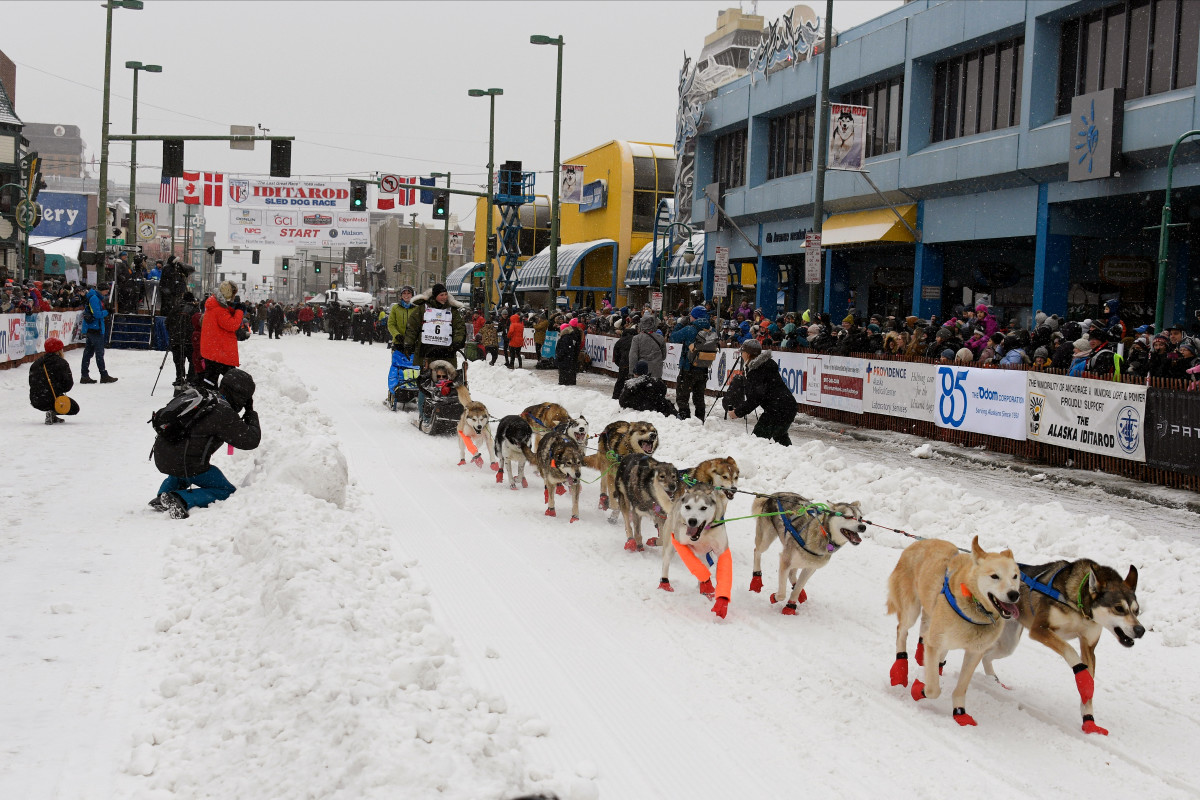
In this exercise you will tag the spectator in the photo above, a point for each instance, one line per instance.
(1013, 353)
(1186, 361)
(49, 381)
(648, 346)
(947, 356)
(763, 386)
(223, 313)
(516, 340)
(275, 321)
(964, 356)
(1103, 353)
(489, 341)
(1082, 350)
(94, 330)
(566, 356)
(621, 358)
(179, 335)
(644, 392)
(1041, 358)
(423, 345)
(693, 372)
(305, 317)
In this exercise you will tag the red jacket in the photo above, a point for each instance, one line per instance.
(516, 331)
(305, 314)
(218, 333)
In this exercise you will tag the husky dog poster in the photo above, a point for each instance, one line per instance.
(570, 188)
(847, 135)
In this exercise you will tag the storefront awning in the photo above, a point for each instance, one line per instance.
(61, 254)
(534, 275)
(641, 267)
(458, 282)
(876, 225)
(680, 270)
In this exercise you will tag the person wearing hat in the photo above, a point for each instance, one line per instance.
(1081, 352)
(648, 345)
(275, 321)
(1102, 360)
(1185, 361)
(566, 352)
(425, 340)
(400, 317)
(763, 386)
(94, 330)
(186, 462)
(49, 381)
(179, 335)
(1137, 359)
(516, 340)
(693, 371)
(1041, 358)
(1160, 359)
(223, 314)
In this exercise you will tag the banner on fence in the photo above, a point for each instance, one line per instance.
(12, 337)
(901, 389)
(35, 335)
(600, 349)
(1084, 414)
(1173, 431)
(826, 381)
(990, 401)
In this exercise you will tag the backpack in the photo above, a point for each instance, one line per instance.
(705, 346)
(174, 421)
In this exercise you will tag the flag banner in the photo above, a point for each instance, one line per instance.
(388, 186)
(427, 197)
(407, 197)
(214, 188)
(168, 191)
(847, 135)
(191, 188)
(570, 188)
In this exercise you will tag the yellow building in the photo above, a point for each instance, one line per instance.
(621, 187)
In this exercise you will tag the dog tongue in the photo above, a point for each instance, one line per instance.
(646, 447)
(694, 531)
(1013, 610)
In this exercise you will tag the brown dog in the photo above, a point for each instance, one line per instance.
(617, 440)
(546, 417)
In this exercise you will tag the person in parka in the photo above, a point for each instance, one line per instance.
(763, 386)
(186, 462)
(516, 340)
(648, 345)
(50, 377)
(644, 392)
(400, 318)
(621, 358)
(223, 313)
(275, 320)
(566, 355)
(179, 335)
(423, 352)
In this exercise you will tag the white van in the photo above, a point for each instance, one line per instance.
(344, 297)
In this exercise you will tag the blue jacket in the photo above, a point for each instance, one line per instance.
(685, 334)
(96, 305)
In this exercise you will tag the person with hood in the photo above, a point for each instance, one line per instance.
(305, 317)
(427, 339)
(400, 317)
(275, 320)
(1185, 361)
(1081, 351)
(1062, 355)
(693, 372)
(1102, 360)
(516, 340)
(1160, 357)
(648, 345)
(49, 379)
(1014, 353)
(1138, 361)
(763, 386)
(539, 332)
(990, 354)
(94, 330)
(985, 321)
(566, 355)
(186, 463)
(644, 392)
(621, 358)
(1112, 318)
(223, 314)
(489, 341)
(179, 335)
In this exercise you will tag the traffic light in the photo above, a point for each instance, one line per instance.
(217, 258)
(317, 267)
(439, 205)
(253, 256)
(172, 158)
(281, 159)
(491, 246)
(287, 264)
(358, 195)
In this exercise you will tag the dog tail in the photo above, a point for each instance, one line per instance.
(529, 454)
(464, 395)
(759, 505)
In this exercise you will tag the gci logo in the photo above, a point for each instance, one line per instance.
(951, 409)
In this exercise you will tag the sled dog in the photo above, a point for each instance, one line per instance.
(720, 472)
(473, 431)
(962, 600)
(546, 417)
(512, 445)
(617, 440)
(689, 530)
(810, 534)
(559, 461)
(643, 487)
(1066, 600)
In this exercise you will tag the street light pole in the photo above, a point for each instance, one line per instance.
(137, 67)
(822, 147)
(102, 194)
(446, 229)
(491, 193)
(554, 210)
(1163, 233)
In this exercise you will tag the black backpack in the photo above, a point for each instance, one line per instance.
(174, 421)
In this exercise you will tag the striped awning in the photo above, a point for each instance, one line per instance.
(641, 267)
(458, 282)
(534, 275)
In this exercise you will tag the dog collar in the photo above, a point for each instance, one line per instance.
(949, 595)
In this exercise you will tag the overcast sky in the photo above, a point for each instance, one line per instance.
(369, 86)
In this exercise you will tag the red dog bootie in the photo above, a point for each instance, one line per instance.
(524, 483)
(652, 541)
(494, 466)
(920, 654)
(560, 489)
(899, 673)
(478, 460)
(500, 476)
(603, 502)
(756, 582)
(721, 607)
(1084, 682)
(963, 718)
(665, 585)
(550, 512)
(631, 545)
(706, 589)
(918, 691)
(1090, 726)
(462, 462)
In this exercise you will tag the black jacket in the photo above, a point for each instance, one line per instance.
(647, 393)
(275, 315)
(621, 351)
(764, 386)
(1063, 355)
(566, 356)
(179, 326)
(191, 456)
(59, 372)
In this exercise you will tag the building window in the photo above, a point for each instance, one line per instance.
(790, 144)
(435, 254)
(405, 253)
(1145, 46)
(883, 121)
(978, 92)
(729, 160)
(653, 181)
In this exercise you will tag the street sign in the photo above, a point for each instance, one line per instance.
(812, 258)
(389, 184)
(29, 214)
(720, 271)
(241, 130)
(114, 241)
(656, 301)
(479, 273)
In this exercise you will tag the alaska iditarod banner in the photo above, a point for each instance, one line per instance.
(1085, 414)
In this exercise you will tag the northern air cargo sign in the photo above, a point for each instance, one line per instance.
(284, 193)
(309, 227)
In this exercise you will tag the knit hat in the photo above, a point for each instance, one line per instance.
(226, 291)
(641, 368)
(751, 348)
(1098, 334)
(1188, 344)
(563, 327)
(1040, 318)
(814, 330)
(948, 354)
(911, 320)
(407, 288)
(1082, 345)
(981, 309)
(53, 345)
(1041, 352)
(964, 355)
(849, 318)
(437, 289)
(699, 312)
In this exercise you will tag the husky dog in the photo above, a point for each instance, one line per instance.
(560, 461)
(720, 472)
(841, 141)
(617, 440)
(690, 530)
(546, 417)
(962, 600)
(512, 438)
(1066, 600)
(643, 487)
(810, 534)
(472, 431)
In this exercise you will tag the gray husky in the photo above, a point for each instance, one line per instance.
(559, 461)
(512, 446)
(644, 487)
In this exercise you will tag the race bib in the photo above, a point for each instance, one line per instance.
(437, 328)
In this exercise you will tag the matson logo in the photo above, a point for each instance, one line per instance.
(885, 371)
(793, 378)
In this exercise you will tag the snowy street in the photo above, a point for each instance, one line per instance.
(366, 619)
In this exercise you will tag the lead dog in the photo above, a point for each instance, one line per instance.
(473, 431)
(644, 487)
(720, 472)
(512, 445)
(560, 461)
(617, 440)
(1066, 600)
(810, 534)
(962, 600)
(695, 528)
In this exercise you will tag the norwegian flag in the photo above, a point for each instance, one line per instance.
(407, 197)
(168, 191)
(205, 188)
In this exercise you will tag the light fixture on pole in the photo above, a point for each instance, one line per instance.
(557, 42)
(445, 229)
(102, 198)
(137, 67)
(491, 190)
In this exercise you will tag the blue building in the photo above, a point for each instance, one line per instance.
(1006, 196)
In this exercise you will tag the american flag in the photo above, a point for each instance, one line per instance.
(168, 191)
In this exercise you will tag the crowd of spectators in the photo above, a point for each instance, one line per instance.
(32, 297)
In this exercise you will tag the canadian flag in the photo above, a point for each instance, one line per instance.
(202, 187)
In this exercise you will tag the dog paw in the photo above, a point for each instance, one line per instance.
(1090, 726)
(665, 585)
(477, 460)
(773, 600)
(789, 610)
(706, 588)
(756, 582)
(494, 466)
(920, 654)
(899, 673)
(550, 512)
(963, 718)
(604, 502)
(918, 691)
(574, 518)
(524, 484)
(462, 462)
(803, 596)
(721, 607)
(631, 545)
(652, 541)
(560, 489)
(1084, 683)
(500, 478)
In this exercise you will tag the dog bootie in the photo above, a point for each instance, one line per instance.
(603, 502)
(462, 462)
(920, 654)
(963, 718)
(1084, 683)
(560, 489)
(652, 541)
(500, 477)
(574, 518)
(494, 467)
(789, 610)
(756, 582)
(478, 460)
(918, 691)
(665, 585)
(1090, 726)
(631, 545)
(721, 607)
(803, 596)
(706, 589)
(550, 512)
(524, 483)
(899, 673)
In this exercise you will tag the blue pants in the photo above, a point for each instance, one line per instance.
(94, 345)
(212, 485)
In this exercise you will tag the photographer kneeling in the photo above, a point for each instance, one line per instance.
(760, 384)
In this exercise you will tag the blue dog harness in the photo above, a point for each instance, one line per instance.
(949, 595)
(795, 534)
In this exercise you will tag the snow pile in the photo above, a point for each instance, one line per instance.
(301, 658)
